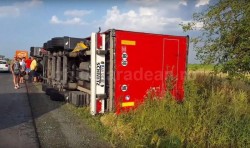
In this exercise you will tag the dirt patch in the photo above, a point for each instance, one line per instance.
(57, 126)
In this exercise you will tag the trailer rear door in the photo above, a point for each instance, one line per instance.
(175, 56)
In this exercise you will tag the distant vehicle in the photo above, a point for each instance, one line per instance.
(22, 53)
(4, 66)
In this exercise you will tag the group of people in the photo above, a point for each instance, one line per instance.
(21, 67)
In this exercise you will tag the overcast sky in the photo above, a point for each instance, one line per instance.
(33, 22)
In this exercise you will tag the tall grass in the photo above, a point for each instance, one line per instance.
(215, 113)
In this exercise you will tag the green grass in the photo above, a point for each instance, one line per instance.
(200, 67)
(215, 113)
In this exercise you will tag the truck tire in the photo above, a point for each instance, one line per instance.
(49, 46)
(44, 87)
(57, 42)
(56, 96)
(48, 91)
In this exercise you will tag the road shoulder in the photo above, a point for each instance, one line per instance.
(57, 126)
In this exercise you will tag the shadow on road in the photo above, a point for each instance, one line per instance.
(15, 108)
(41, 104)
(19, 109)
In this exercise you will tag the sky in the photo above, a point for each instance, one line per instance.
(27, 23)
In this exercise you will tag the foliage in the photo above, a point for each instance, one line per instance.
(225, 36)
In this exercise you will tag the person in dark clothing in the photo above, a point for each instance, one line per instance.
(39, 70)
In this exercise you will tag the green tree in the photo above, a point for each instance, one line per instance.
(225, 35)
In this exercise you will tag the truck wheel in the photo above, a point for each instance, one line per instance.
(48, 91)
(53, 95)
(57, 42)
(49, 46)
(56, 96)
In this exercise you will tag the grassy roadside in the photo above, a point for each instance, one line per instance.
(216, 113)
(200, 67)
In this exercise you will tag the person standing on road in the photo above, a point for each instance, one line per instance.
(15, 69)
(11, 70)
(23, 70)
(39, 70)
(33, 67)
(28, 62)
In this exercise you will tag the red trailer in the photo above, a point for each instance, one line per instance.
(141, 62)
(113, 70)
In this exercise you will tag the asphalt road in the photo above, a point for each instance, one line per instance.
(55, 124)
(16, 124)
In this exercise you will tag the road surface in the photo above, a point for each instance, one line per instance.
(55, 124)
(16, 124)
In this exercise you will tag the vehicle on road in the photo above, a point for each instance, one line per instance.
(4, 66)
(22, 53)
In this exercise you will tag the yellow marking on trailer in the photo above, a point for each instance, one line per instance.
(128, 42)
(128, 104)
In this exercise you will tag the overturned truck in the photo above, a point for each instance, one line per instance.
(114, 70)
